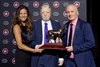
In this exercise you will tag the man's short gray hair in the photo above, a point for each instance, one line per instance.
(45, 5)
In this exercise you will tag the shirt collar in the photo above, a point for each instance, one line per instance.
(74, 22)
(45, 21)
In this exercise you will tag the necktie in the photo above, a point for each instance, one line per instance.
(45, 32)
(71, 55)
(70, 35)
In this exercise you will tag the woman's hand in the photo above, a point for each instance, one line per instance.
(37, 48)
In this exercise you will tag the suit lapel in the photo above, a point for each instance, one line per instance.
(39, 29)
(66, 33)
(52, 24)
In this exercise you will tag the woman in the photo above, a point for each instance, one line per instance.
(21, 29)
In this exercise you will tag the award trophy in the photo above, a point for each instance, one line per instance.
(54, 40)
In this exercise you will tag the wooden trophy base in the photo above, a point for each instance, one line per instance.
(55, 46)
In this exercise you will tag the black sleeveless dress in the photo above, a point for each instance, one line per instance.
(23, 58)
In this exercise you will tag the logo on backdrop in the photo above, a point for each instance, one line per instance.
(6, 13)
(77, 3)
(35, 13)
(16, 4)
(13, 60)
(5, 22)
(64, 13)
(35, 4)
(5, 41)
(5, 50)
(55, 13)
(26, 4)
(14, 42)
(4, 60)
(5, 32)
(13, 51)
(6, 4)
(56, 4)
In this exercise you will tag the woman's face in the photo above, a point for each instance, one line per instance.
(23, 15)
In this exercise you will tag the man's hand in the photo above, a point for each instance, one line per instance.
(58, 40)
(69, 48)
(60, 62)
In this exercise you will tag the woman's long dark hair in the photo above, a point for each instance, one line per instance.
(16, 20)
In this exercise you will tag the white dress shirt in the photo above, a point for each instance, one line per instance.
(49, 28)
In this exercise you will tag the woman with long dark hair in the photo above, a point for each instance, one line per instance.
(21, 28)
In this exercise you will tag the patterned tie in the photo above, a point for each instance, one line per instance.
(45, 33)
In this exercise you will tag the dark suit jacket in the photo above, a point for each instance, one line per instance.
(46, 57)
(83, 42)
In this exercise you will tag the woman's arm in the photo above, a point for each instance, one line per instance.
(17, 34)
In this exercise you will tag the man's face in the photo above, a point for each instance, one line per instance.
(71, 12)
(45, 13)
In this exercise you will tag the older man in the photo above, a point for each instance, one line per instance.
(47, 58)
(78, 39)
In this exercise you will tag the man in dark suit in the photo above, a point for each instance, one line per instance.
(46, 58)
(81, 42)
